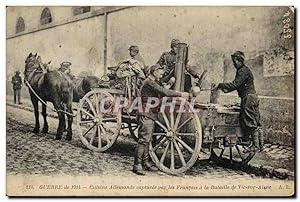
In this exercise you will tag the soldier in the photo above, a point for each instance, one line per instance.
(17, 85)
(66, 68)
(151, 88)
(134, 54)
(249, 115)
(132, 66)
(168, 60)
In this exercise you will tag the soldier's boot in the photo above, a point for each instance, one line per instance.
(261, 139)
(255, 143)
(148, 165)
(137, 167)
(15, 98)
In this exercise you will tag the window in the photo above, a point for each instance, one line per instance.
(20, 25)
(81, 9)
(46, 16)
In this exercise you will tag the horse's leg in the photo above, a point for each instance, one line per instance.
(35, 103)
(70, 120)
(61, 118)
(65, 117)
(44, 113)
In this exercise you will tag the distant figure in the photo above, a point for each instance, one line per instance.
(17, 85)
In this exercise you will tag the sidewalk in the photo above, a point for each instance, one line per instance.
(274, 161)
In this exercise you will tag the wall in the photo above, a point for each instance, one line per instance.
(79, 42)
(211, 32)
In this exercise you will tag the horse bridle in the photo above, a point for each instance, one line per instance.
(31, 72)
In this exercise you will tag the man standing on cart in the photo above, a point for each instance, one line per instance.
(168, 61)
(151, 88)
(249, 115)
(135, 55)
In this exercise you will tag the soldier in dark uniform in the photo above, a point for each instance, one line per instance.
(249, 115)
(151, 88)
(168, 60)
(17, 85)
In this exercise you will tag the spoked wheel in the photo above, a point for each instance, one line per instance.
(97, 123)
(177, 141)
(232, 156)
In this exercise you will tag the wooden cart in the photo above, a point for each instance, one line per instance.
(177, 138)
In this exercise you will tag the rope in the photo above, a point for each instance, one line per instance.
(42, 101)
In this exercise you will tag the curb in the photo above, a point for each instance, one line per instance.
(258, 170)
(269, 171)
(264, 171)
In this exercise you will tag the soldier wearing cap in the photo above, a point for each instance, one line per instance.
(66, 68)
(17, 85)
(135, 55)
(151, 88)
(249, 115)
(135, 64)
(168, 60)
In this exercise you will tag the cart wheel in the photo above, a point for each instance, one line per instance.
(232, 156)
(177, 141)
(134, 129)
(98, 130)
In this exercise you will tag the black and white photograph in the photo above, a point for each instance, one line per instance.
(164, 101)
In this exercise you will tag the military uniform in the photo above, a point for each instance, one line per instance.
(249, 115)
(17, 85)
(168, 60)
(66, 68)
(150, 88)
(137, 57)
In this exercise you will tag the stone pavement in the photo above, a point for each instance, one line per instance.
(276, 160)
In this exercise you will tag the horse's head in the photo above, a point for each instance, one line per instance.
(32, 63)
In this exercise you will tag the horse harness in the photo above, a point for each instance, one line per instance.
(26, 81)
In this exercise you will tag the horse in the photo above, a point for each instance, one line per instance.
(51, 86)
(82, 85)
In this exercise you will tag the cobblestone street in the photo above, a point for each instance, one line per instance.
(40, 154)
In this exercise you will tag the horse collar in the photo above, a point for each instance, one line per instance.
(31, 74)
